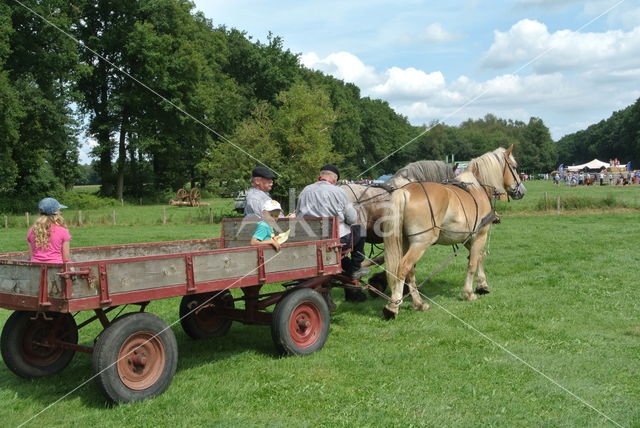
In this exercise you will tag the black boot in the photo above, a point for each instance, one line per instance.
(353, 294)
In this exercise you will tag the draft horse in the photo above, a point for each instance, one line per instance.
(424, 214)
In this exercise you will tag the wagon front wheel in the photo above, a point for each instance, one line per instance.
(200, 314)
(135, 358)
(30, 344)
(300, 324)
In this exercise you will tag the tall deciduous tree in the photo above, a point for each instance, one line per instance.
(40, 65)
(294, 140)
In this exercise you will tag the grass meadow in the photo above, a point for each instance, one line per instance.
(564, 300)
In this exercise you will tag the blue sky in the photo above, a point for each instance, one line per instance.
(430, 58)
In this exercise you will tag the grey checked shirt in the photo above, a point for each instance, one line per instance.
(323, 199)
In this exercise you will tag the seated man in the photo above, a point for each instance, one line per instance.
(261, 184)
(324, 199)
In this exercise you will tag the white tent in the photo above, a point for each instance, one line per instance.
(594, 164)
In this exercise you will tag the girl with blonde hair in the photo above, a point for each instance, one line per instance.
(48, 238)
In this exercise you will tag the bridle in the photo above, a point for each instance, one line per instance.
(514, 175)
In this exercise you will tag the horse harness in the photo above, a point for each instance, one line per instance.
(489, 218)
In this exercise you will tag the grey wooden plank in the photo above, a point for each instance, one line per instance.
(239, 233)
(165, 248)
(212, 267)
(290, 258)
(20, 279)
(142, 275)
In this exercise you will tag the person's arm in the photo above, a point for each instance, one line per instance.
(350, 214)
(272, 241)
(30, 244)
(263, 231)
(66, 251)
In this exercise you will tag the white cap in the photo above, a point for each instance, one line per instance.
(271, 205)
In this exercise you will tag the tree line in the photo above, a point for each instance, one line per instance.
(171, 100)
(617, 137)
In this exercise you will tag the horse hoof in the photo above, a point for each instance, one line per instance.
(388, 313)
(422, 307)
(484, 290)
(471, 297)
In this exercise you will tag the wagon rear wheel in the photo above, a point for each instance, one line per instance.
(29, 346)
(300, 324)
(135, 358)
(200, 314)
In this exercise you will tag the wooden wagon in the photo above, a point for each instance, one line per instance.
(135, 355)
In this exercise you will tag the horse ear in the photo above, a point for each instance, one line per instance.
(509, 150)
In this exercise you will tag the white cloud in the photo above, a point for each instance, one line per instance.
(435, 33)
(563, 50)
(408, 83)
(344, 66)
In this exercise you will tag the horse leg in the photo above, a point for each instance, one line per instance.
(418, 304)
(406, 265)
(481, 278)
(475, 248)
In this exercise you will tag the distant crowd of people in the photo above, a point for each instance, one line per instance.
(602, 178)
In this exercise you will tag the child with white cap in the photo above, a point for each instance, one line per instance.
(264, 234)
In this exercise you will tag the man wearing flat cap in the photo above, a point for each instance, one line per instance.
(261, 184)
(324, 199)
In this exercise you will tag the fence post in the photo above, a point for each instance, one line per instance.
(164, 215)
(27, 217)
(210, 216)
(558, 204)
(113, 217)
(79, 217)
(6, 222)
(546, 201)
(292, 199)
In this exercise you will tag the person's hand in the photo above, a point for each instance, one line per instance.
(275, 244)
(291, 215)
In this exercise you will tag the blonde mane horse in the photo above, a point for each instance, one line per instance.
(424, 214)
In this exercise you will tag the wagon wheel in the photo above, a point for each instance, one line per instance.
(194, 196)
(135, 358)
(199, 314)
(28, 345)
(300, 324)
(182, 195)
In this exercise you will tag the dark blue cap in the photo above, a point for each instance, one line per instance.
(49, 206)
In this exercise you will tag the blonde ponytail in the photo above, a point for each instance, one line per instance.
(42, 228)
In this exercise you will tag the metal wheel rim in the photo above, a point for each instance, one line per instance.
(207, 320)
(141, 360)
(305, 324)
(34, 353)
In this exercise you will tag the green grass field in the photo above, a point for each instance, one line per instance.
(563, 300)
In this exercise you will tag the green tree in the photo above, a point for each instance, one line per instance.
(39, 67)
(294, 140)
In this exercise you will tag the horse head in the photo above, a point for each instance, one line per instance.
(511, 180)
(497, 169)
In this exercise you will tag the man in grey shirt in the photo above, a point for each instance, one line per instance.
(324, 199)
(261, 184)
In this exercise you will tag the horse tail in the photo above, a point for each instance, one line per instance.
(393, 236)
